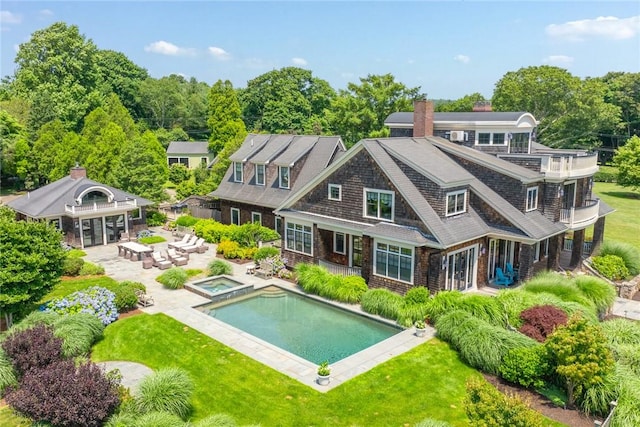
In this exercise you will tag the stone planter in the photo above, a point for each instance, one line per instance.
(421, 332)
(323, 379)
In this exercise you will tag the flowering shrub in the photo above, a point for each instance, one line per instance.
(97, 301)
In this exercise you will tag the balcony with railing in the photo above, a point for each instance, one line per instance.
(579, 217)
(103, 207)
(569, 166)
(342, 270)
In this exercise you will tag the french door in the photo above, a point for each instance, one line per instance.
(500, 253)
(461, 268)
(92, 234)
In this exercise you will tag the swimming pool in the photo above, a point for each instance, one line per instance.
(311, 329)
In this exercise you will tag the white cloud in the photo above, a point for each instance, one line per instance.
(165, 48)
(607, 27)
(45, 13)
(219, 53)
(7, 17)
(299, 61)
(558, 59)
(462, 58)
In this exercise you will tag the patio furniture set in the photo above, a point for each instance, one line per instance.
(177, 253)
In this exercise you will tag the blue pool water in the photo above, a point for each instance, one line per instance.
(216, 284)
(310, 329)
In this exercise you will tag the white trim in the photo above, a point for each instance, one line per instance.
(264, 174)
(303, 231)
(280, 169)
(400, 246)
(472, 264)
(235, 172)
(335, 243)
(366, 190)
(102, 189)
(259, 215)
(231, 217)
(491, 133)
(529, 207)
(339, 187)
(455, 193)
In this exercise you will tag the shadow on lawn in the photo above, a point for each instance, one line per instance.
(622, 194)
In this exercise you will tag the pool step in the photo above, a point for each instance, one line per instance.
(273, 293)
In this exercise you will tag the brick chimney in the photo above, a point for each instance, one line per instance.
(78, 172)
(422, 118)
(482, 106)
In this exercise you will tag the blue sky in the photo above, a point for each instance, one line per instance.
(448, 48)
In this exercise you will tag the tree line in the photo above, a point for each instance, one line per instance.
(70, 102)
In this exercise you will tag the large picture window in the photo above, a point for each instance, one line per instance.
(284, 176)
(237, 171)
(378, 204)
(259, 174)
(394, 261)
(299, 238)
(456, 202)
(532, 199)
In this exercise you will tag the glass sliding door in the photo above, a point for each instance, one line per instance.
(461, 269)
(92, 232)
(500, 253)
(114, 225)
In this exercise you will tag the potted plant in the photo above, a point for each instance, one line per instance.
(421, 328)
(324, 372)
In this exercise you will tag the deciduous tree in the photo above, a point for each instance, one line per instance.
(460, 105)
(627, 159)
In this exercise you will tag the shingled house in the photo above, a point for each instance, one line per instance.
(87, 212)
(189, 153)
(423, 210)
(267, 169)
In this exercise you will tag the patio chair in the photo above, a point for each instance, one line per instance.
(501, 279)
(124, 237)
(182, 241)
(511, 272)
(196, 247)
(176, 258)
(179, 245)
(144, 300)
(265, 271)
(160, 262)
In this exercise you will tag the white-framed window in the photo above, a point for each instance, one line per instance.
(235, 216)
(299, 238)
(536, 252)
(283, 173)
(339, 240)
(256, 217)
(498, 139)
(484, 138)
(378, 204)
(237, 171)
(394, 261)
(279, 224)
(56, 222)
(181, 160)
(135, 214)
(259, 174)
(456, 202)
(532, 199)
(490, 138)
(335, 192)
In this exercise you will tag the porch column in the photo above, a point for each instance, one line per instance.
(578, 247)
(555, 247)
(598, 235)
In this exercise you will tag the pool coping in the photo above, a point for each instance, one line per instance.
(290, 364)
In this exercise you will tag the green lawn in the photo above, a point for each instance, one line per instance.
(428, 381)
(68, 286)
(624, 224)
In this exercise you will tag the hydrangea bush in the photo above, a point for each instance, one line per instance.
(97, 301)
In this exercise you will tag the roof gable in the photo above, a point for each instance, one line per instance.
(188, 147)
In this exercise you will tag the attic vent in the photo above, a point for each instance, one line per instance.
(456, 135)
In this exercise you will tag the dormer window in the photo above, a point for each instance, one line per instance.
(532, 199)
(378, 204)
(237, 171)
(283, 172)
(259, 174)
(456, 202)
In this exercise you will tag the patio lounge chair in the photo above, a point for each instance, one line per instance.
(160, 262)
(179, 245)
(198, 246)
(511, 273)
(501, 279)
(177, 259)
(144, 300)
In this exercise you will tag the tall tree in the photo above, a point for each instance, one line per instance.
(627, 159)
(571, 111)
(10, 131)
(142, 168)
(57, 72)
(45, 149)
(285, 101)
(163, 101)
(623, 90)
(105, 152)
(359, 112)
(196, 106)
(121, 76)
(461, 105)
(31, 263)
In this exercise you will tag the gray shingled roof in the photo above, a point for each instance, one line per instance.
(319, 150)
(406, 118)
(188, 147)
(50, 200)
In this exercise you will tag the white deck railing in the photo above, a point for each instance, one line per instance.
(581, 216)
(569, 166)
(101, 207)
(342, 270)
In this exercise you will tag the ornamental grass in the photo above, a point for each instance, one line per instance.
(167, 390)
(382, 302)
(217, 420)
(599, 292)
(173, 278)
(351, 289)
(629, 254)
(443, 302)
(218, 267)
(78, 333)
(621, 331)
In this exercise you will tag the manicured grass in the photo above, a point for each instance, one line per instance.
(428, 381)
(69, 286)
(150, 240)
(622, 225)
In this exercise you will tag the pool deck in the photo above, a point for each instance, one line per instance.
(179, 304)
